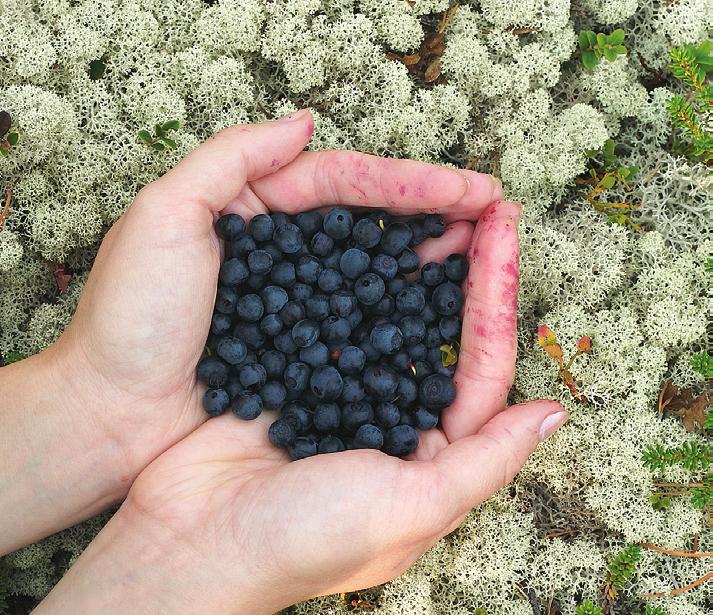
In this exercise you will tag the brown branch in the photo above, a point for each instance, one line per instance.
(556, 533)
(6, 208)
(670, 493)
(520, 31)
(648, 545)
(678, 484)
(680, 590)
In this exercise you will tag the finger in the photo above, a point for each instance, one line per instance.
(456, 239)
(486, 361)
(216, 171)
(430, 443)
(331, 177)
(474, 468)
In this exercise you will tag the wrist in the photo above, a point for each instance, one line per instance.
(138, 565)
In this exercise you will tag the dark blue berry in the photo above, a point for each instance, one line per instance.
(396, 238)
(225, 300)
(338, 223)
(342, 303)
(283, 274)
(247, 405)
(355, 318)
(351, 360)
(413, 329)
(326, 417)
(262, 227)
(432, 274)
(385, 266)
(331, 261)
(303, 446)
(231, 349)
(419, 235)
(330, 444)
(273, 394)
(410, 301)
(315, 355)
(424, 419)
(397, 284)
(433, 337)
(369, 288)
(253, 376)
(317, 307)
(220, 323)
(450, 327)
(387, 338)
(305, 333)
(308, 269)
(368, 436)
(284, 343)
(353, 389)
(434, 225)
(250, 308)
(291, 313)
(260, 261)
(447, 299)
(366, 233)
(407, 392)
(417, 351)
(281, 433)
(326, 383)
(456, 267)
(408, 261)
(242, 246)
(273, 298)
(216, 401)
(429, 314)
(271, 248)
(380, 382)
(400, 441)
(230, 226)
(279, 218)
(436, 392)
(356, 414)
(335, 329)
(234, 271)
(309, 222)
(329, 280)
(256, 281)
(274, 363)
(387, 415)
(271, 325)
(250, 333)
(321, 244)
(372, 354)
(385, 306)
(354, 262)
(296, 376)
(299, 415)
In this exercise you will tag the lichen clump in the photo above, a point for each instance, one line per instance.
(80, 78)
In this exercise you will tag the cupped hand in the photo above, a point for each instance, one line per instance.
(262, 532)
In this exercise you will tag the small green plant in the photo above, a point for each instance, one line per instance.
(691, 64)
(623, 567)
(690, 455)
(653, 610)
(593, 46)
(8, 138)
(703, 364)
(604, 174)
(160, 140)
(547, 340)
(588, 608)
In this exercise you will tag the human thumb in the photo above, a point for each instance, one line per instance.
(477, 466)
(216, 171)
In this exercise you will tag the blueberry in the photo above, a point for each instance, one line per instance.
(419, 235)
(326, 383)
(250, 308)
(397, 284)
(273, 298)
(423, 419)
(396, 238)
(356, 414)
(432, 338)
(432, 274)
(447, 299)
(354, 262)
(231, 349)
(296, 376)
(271, 248)
(256, 281)
(434, 355)
(247, 405)
(368, 436)
(380, 382)
(353, 389)
(301, 292)
(233, 387)
(387, 415)
(262, 227)
(335, 329)
(309, 222)
(291, 313)
(279, 218)
(303, 446)
(250, 333)
(288, 238)
(321, 244)
(330, 444)
(308, 269)
(242, 246)
(385, 266)
(329, 280)
(326, 417)
(338, 223)
(331, 261)
(400, 441)
(260, 261)
(273, 394)
(317, 307)
(284, 343)
(434, 225)
(410, 301)
(234, 271)
(220, 323)
(216, 401)
(305, 333)
(413, 329)
(299, 415)
(421, 369)
(417, 351)
(408, 261)
(315, 355)
(436, 391)
(385, 306)
(271, 325)
(456, 267)
(230, 226)
(407, 392)
(401, 361)
(387, 338)
(281, 433)
(372, 354)
(274, 363)
(369, 288)
(448, 371)
(342, 303)
(450, 327)
(253, 376)
(366, 233)
(351, 360)
(283, 274)
(355, 318)
(429, 314)
(407, 419)
(225, 300)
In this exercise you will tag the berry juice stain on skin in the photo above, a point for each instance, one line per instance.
(402, 189)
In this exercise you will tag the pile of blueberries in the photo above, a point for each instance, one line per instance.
(329, 320)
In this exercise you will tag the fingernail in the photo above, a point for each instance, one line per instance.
(508, 209)
(296, 115)
(551, 423)
(466, 183)
(498, 193)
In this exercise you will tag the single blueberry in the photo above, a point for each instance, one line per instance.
(369, 288)
(305, 333)
(271, 325)
(230, 226)
(400, 441)
(250, 308)
(330, 444)
(220, 323)
(366, 233)
(447, 299)
(338, 223)
(321, 244)
(309, 222)
(380, 382)
(308, 268)
(317, 307)
(216, 401)
(281, 433)
(260, 261)
(262, 227)
(385, 266)
(424, 419)
(231, 349)
(354, 262)
(326, 383)
(410, 301)
(273, 394)
(434, 225)
(283, 274)
(355, 414)
(225, 300)
(273, 298)
(315, 355)
(368, 436)
(351, 360)
(329, 280)
(274, 363)
(326, 417)
(432, 274)
(234, 271)
(396, 238)
(436, 391)
(387, 415)
(408, 261)
(253, 376)
(303, 446)
(291, 313)
(247, 405)
(342, 303)
(456, 267)
(386, 338)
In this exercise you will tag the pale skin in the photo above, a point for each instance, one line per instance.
(216, 520)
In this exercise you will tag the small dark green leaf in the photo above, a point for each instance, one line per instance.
(620, 49)
(616, 37)
(591, 38)
(13, 357)
(601, 40)
(170, 125)
(583, 40)
(169, 143)
(158, 130)
(145, 136)
(633, 171)
(158, 146)
(13, 138)
(609, 54)
(589, 59)
(607, 182)
(4, 152)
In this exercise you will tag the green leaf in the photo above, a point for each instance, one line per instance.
(145, 136)
(591, 38)
(601, 40)
(170, 125)
(620, 49)
(623, 172)
(158, 130)
(633, 171)
(169, 143)
(607, 182)
(589, 59)
(609, 54)
(616, 37)
(158, 146)
(4, 152)
(12, 138)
